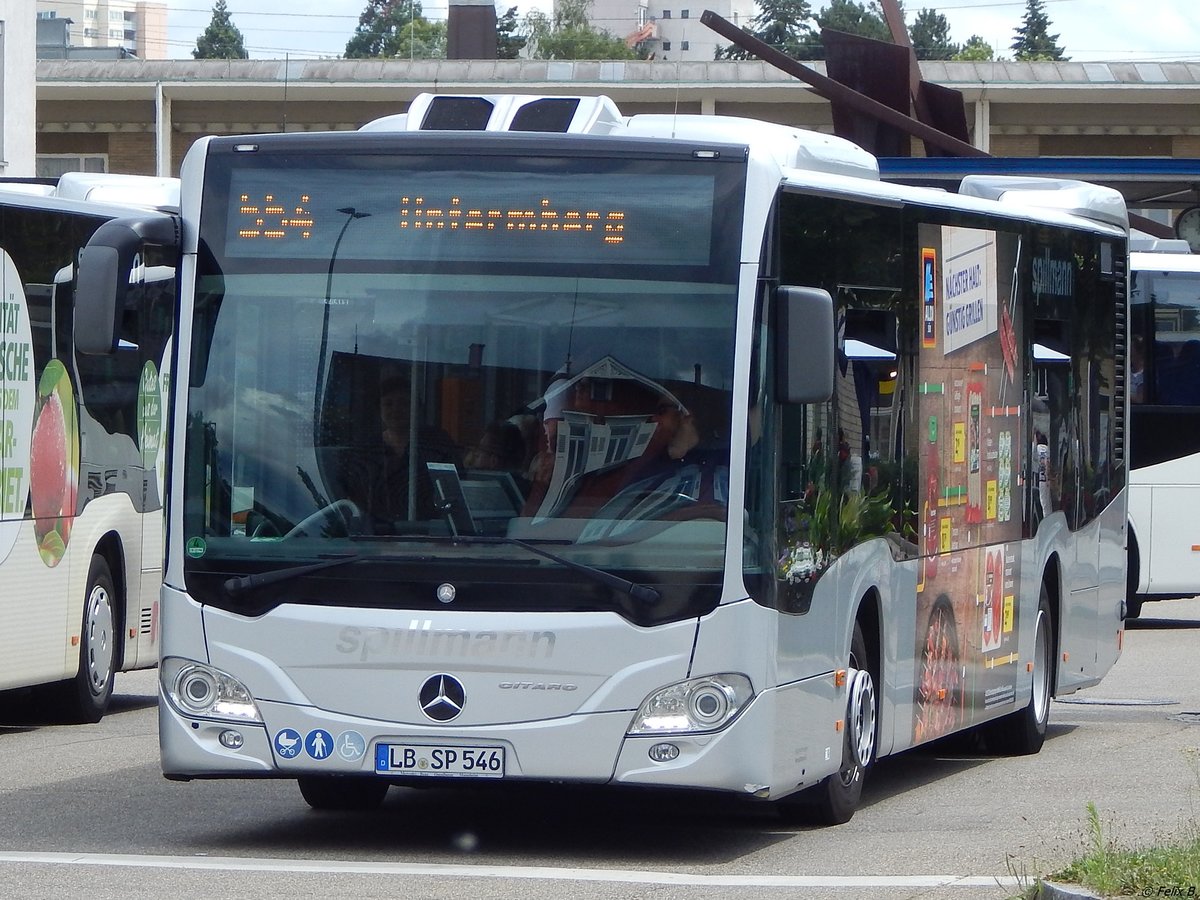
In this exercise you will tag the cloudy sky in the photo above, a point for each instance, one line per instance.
(1088, 29)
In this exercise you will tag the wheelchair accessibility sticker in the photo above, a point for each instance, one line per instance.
(351, 746)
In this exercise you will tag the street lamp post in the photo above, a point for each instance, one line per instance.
(351, 214)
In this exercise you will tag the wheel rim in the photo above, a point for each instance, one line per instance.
(862, 718)
(1041, 675)
(860, 724)
(98, 639)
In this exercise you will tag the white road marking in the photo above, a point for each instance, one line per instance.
(544, 873)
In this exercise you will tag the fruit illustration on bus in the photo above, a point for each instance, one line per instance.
(54, 463)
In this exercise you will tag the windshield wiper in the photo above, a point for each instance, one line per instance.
(235, 587)
(640, 592)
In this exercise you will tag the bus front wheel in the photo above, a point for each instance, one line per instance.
(342, 792)
(834, 800)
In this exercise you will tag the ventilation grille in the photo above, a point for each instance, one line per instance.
(1121, 300)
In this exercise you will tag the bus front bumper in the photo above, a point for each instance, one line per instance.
(586, 749)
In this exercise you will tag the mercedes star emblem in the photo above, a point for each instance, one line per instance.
(442, 697)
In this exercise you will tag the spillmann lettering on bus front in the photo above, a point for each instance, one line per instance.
(421, 639)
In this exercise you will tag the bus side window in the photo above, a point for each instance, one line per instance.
(40, 299)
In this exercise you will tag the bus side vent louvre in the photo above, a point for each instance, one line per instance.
(147, 621)
(1120, 361)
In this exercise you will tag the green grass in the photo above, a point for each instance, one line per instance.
(1170, 870)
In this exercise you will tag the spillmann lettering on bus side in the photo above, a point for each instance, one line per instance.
(1053, 276)
(422, 639)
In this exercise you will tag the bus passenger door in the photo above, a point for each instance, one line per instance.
(155, 303)
(122, 423)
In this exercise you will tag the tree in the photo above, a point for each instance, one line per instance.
(1033, 40)
(221, 39)
(976, 49)
(568, 34)
(396, 28)
(509, 43)
(852, 17)
(783, 24)
(930, 36)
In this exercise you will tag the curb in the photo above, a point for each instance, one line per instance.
(1048, 890)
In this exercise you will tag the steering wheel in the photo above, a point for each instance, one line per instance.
(344, 508)
(639, 506)
(662, 498)
(265, 529)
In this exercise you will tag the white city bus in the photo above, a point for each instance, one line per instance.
(81, 448)
(664, 451)
(1164, 414)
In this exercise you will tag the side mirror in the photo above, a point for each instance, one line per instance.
(804, 345)
(102, 277)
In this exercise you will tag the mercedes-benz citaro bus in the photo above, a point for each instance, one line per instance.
(82, 446)
(519, 440)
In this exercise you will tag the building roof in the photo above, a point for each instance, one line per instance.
(1080, 85)
(1085, 74)
(961, 75)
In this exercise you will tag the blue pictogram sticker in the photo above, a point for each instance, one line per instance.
(351, 746)
(319, 743)
(288, 743)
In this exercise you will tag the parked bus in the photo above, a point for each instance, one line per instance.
(1164, 393)
(520, 440)
(82, 458)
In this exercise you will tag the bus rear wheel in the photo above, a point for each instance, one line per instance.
(834, 800)
(1023, 732)
(342, 792)
(85, 697)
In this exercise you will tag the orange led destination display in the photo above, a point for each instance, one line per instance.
(269, 220)
(608, 226)
(662, 219)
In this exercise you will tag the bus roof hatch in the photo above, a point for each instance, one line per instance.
(504, 112)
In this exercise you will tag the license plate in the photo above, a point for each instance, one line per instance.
(438, 759)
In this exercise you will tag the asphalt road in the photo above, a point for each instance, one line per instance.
(87, 813)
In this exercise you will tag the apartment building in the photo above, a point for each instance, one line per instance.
(136, 26)
(18, 119)
(669, 29)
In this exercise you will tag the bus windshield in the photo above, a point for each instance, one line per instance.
(408, 402)
(1165, 342)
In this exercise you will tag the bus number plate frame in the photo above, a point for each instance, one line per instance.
(443, 760)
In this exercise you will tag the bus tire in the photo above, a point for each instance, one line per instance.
(834, 800)
(1023, 732)
(85, 697)
(1133, 603)
(342, 792)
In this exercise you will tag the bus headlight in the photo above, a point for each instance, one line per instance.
(694, 706)
(195, 689)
